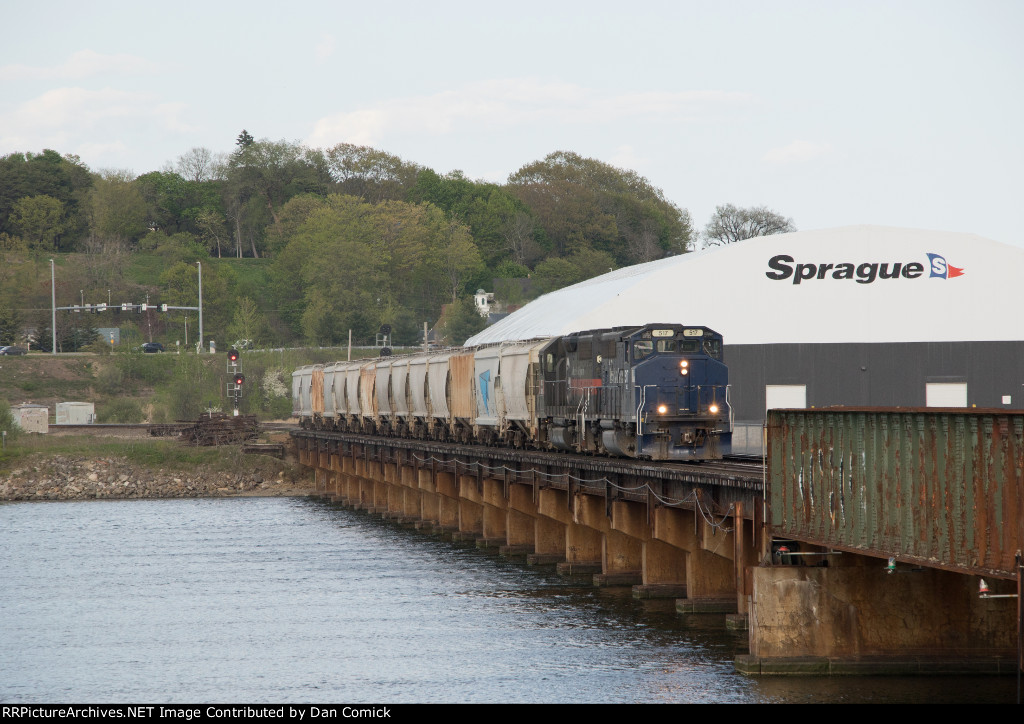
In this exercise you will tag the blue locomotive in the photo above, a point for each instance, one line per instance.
(660, 392)
(657, 391)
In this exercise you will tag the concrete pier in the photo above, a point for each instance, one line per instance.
(825, 613)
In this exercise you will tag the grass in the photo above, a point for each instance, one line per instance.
(151, 454)
(44, 376)
(145, 269)
(250, 276)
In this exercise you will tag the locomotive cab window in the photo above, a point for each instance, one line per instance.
(713, 348)
(642, 348)
(666, 345)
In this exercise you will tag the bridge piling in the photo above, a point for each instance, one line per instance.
(703, 535)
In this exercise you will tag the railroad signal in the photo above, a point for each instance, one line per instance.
(239, 379)
(233, 355)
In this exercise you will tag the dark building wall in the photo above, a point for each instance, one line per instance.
(885, 375)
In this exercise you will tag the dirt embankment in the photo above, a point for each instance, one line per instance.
(62, 477)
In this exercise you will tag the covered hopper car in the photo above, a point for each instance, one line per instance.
(658, 392)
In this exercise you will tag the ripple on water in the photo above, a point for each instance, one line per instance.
(269, 599)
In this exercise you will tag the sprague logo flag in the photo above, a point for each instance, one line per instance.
(939, 267)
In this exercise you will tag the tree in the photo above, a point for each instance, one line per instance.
(11, 331)
(212, 229)
(64, 178)
(69, 333)
(175, 203)
(499, 222)
(584, 203)
(248, 323)
(461, 321)
(368, 173)
(350, 264)
(261, 177)
(556, 272)
(518, 231)
(7, 423)
(199, 164)
(730, 224)
(117, 209)
(459, 258)
(181, 288)
(39, 219)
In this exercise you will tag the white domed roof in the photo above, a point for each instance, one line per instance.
(851, 284)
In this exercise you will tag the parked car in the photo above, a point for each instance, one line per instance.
(12, 350)
(152, 347)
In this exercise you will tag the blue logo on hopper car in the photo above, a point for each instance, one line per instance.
(485, 389)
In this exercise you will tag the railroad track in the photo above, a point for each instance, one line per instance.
(745, 475)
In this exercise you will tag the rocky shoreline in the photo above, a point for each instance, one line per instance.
(63, 477)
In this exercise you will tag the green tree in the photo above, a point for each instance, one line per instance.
(459, 258)
(180, 247)
(193, 386)
(500, 224)
(582, 264)
(39, 220)
(11, 325)
(581, 202)
(64, 178)
(117, 211)
(368, 173)
(7, 424)
(461, 321)
(180, 284)
(247, 323)
(213, 229)
(66, 333)
(351, 264)
(261, 177)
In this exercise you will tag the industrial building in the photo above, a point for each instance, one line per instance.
(860, 315)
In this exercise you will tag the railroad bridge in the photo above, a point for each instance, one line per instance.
(857, 546)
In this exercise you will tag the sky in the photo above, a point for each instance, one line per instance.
(899, 113)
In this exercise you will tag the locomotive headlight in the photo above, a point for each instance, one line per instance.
(684, 363)
(684, 371)
(713, 409)
(662, 409)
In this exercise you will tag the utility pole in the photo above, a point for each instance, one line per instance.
(200, 265)
(53, 309)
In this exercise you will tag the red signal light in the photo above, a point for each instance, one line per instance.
(239, 379)
(233, 355)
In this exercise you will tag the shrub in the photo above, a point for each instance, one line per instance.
(121, 410)
(7, 421)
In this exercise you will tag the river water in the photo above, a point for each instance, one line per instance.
(294, 600)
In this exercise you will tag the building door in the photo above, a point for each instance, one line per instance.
(945, 394)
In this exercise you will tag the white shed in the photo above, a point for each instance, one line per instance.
(76, 413)
(31, 418)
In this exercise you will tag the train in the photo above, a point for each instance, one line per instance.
(656, 392)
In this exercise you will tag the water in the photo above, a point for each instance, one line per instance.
(294, 600)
